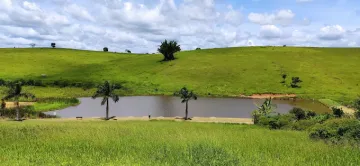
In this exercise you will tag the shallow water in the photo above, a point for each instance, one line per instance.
(157, 106)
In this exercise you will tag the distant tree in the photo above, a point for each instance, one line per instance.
(168, 49)
(107, 91)
(53, 45)
(32, 45)
(128, 51)
(284, 45)
(198, 48)
(284, 78)
(186, 95)
(15, 92)
(295, 81)
(338, 112)
(105, 49)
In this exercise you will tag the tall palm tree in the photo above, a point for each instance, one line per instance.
(107, 91)
(15, 92)
(186, 95)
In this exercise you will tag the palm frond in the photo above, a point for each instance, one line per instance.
(104, 100)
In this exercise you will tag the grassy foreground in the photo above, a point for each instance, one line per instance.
(60, 142)
(331, 73)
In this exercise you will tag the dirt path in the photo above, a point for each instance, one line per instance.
(194, 119)
(12, 104)
(347, 110)
(264, 96)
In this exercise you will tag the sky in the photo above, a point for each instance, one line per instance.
(141, 25)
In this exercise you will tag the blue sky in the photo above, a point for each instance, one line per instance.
(140, 25)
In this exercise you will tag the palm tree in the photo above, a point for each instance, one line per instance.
(265, 109)
(15, 92)
(107, 91)
(168, 49)
(186, 95)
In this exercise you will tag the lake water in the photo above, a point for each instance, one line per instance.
(162, 106)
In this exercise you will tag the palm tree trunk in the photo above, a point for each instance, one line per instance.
(107, 109)
(186, 111)
(17, 110)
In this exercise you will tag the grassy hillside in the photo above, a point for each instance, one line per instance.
(332, 73)
(161, 143)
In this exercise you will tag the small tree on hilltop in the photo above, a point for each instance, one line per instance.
(15, 92)
(105, 49)
(168, 49)
(295, 81)
(186, 95)
(128, 51)
(53, 45)
(198, 48)
(32, 45)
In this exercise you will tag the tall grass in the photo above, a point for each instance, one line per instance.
(50, 104)
(61, 142)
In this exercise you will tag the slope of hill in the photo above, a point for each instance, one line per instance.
(332, 73)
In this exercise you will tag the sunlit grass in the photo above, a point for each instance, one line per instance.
(62, 142)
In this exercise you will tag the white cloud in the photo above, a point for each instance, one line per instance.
(270, 32)
(79, 12)
(282, 17)
(332, 32)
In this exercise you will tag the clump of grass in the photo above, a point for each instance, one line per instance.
(51, 104)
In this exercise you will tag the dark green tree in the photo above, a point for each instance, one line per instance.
(168, 49)
(53, 45)
(186, 96)
(105, 49)
(107, 91)
(15, 92)
(295, 82)
(128, 51)
(284, 76)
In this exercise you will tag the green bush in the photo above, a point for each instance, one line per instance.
(304, 124)
(357, 115)
(278, 121)
(338, 112)
(322, 118)
(337, 131)
(298, 113)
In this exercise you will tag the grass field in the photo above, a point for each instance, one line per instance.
(61, 142)
(330, 73)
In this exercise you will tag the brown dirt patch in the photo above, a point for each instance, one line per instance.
(264, 96)
(12, 104)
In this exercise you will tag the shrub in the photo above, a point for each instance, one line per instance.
(310, 114)
(295, 81)
(299, 113)
(337, 131)
(322, 118)
(2, 82)
(357, 114)
(338, 112)
(105, 49)
(304, 124)
(278, 121)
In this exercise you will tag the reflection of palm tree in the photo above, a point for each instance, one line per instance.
(15, 92)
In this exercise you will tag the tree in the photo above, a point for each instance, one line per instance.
(265, 109)
(168, 49)
(53, 45)
(186, 95)
(15, 92)
(284, 78)
(107, 91)
(198, 48)
(32, 45)
(105, 49)
(295, 81)
(128, 51)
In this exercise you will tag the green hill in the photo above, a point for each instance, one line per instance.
(332, 73)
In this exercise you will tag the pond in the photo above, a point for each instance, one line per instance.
(163, 106)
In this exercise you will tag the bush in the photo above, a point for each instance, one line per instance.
(322, 118)
(278, 121)
(338, 112)
(295, 81)
(357, 115)
(105, 49)
(304, 124)
(2, 82)
(299, 113)
(310, 114)
(337, 131)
